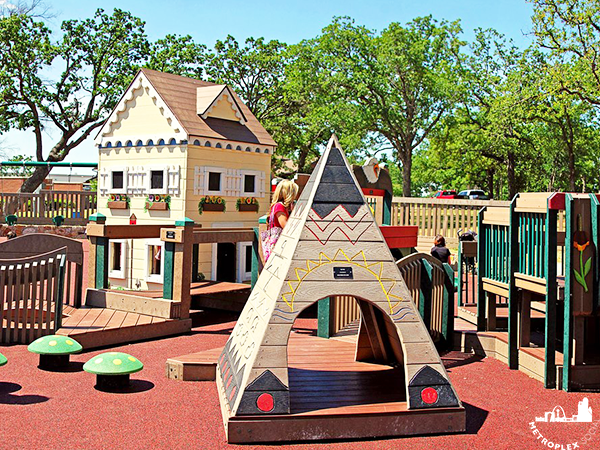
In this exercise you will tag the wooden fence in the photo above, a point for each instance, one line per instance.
(30, 245)
(40, 208)
(30, 289)
(439, 216)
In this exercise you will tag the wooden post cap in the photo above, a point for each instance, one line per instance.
(98, 218)
(185, 222)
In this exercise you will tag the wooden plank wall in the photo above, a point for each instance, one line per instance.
(29, 290)
(40, 208)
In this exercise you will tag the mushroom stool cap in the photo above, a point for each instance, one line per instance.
(3, 359)
(113, 363)
(54, 345)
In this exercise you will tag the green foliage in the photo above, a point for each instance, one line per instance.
(22, 171)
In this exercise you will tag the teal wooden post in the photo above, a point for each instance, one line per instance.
(551, 294)
(460, 274)
(324, 318)
(101, 247)
(255, 258)
(448, 307)
(169, 266)
(513, 300)
(595, 210)
(387, 208)
(482, 248)
(568, 318)
(425, 292)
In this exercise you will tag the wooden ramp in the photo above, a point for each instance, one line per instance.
(332, 396)
(99, 327)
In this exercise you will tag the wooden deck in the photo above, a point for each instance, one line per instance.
(331, 397)
(99, 327)
(208, 294)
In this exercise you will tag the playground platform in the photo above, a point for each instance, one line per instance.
(332, 396)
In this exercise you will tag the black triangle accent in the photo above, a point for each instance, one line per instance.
(427, 376)
(335, 158)
(266, 381)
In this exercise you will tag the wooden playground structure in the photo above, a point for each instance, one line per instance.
(536, 306)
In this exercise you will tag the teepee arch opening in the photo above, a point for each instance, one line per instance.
(345, 370)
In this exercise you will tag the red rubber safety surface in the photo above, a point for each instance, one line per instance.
(47, 410)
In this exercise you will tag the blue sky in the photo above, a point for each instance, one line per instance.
(288, 21)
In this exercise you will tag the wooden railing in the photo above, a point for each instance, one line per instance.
(32, 245)
(439, 216)
(40, 208)
(30, 292)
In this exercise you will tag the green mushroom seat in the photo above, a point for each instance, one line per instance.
(3, 359)
(54, 350)
(112, 369)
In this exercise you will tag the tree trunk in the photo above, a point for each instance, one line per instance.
(572, 175)
(406, 170)
(490, 182)
(511, 175)
(36, 178)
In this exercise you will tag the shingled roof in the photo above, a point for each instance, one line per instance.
(180, 95)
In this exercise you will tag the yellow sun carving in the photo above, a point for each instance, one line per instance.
(358, 260)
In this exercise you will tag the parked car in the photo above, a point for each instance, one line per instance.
(450, 193)
(473, 194)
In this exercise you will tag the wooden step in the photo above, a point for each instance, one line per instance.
(100, 327)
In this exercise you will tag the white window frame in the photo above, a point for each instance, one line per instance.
(242, 275)
(256, 175)
(153, 278)
(120, 274)
(112, 189)
(207, 172)
(165, 171)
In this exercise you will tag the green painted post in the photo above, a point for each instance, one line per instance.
(513, 251)
(482, 248)
(101, 244)
(169, 274)
(425, 292)
(448, 307)
(387, 208)
(255, 258)
(595, 210)
(568, 319)
(324, 316)
(551, 294)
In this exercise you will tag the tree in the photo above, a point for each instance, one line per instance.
(570, 29)
(399, 84)
(98, 57)
(178, 55)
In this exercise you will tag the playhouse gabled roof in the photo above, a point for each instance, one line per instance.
(180, 95)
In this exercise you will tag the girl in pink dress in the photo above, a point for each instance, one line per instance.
(284, 198)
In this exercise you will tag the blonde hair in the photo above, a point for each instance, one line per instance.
(285, 192)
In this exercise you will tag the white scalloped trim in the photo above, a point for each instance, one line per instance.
(225, 93)
(140, 82)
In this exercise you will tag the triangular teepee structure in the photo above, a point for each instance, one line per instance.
(330, 246)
